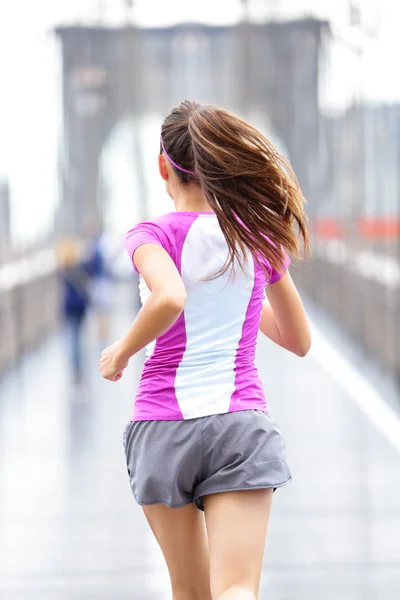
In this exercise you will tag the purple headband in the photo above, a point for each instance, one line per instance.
(174, 163)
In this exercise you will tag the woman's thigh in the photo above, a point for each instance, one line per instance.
(181, 534)
(237, 526)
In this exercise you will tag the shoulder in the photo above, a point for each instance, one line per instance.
(165, 228)
(161, 230)
(158, 230)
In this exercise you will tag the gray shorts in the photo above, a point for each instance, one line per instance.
(178, 462)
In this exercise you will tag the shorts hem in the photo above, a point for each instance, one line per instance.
(213, 491)
(267, 486)
(167, 504)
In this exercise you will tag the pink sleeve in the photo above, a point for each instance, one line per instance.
(274, 275)
(145, 233)
(277, 275)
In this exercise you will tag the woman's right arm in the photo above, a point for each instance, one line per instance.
(162, 308)
(283, 318)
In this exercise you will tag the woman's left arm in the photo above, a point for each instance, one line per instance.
(160, 311)
(283, 318)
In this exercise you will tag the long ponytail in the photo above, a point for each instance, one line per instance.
(249, 185)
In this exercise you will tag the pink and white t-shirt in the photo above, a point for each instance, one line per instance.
(204, 364)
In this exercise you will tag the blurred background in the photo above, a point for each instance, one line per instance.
(84, 88)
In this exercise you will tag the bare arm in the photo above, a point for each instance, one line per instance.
(163, 307)
(283, 318)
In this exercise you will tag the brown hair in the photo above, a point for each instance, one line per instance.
(251, 188)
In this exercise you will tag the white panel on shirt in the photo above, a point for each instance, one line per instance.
(144, 293)
(214, 314)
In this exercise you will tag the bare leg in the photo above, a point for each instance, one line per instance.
(182, 537)
(237, 526)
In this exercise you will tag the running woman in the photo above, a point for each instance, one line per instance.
(211, 275)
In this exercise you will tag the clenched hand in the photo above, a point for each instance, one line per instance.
(112, 362)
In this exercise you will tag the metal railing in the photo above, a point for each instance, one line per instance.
(29, 304)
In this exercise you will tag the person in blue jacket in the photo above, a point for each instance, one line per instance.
(75, 290)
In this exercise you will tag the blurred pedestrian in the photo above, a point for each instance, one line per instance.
(99, 267)
(200, 436)
(75, 290)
